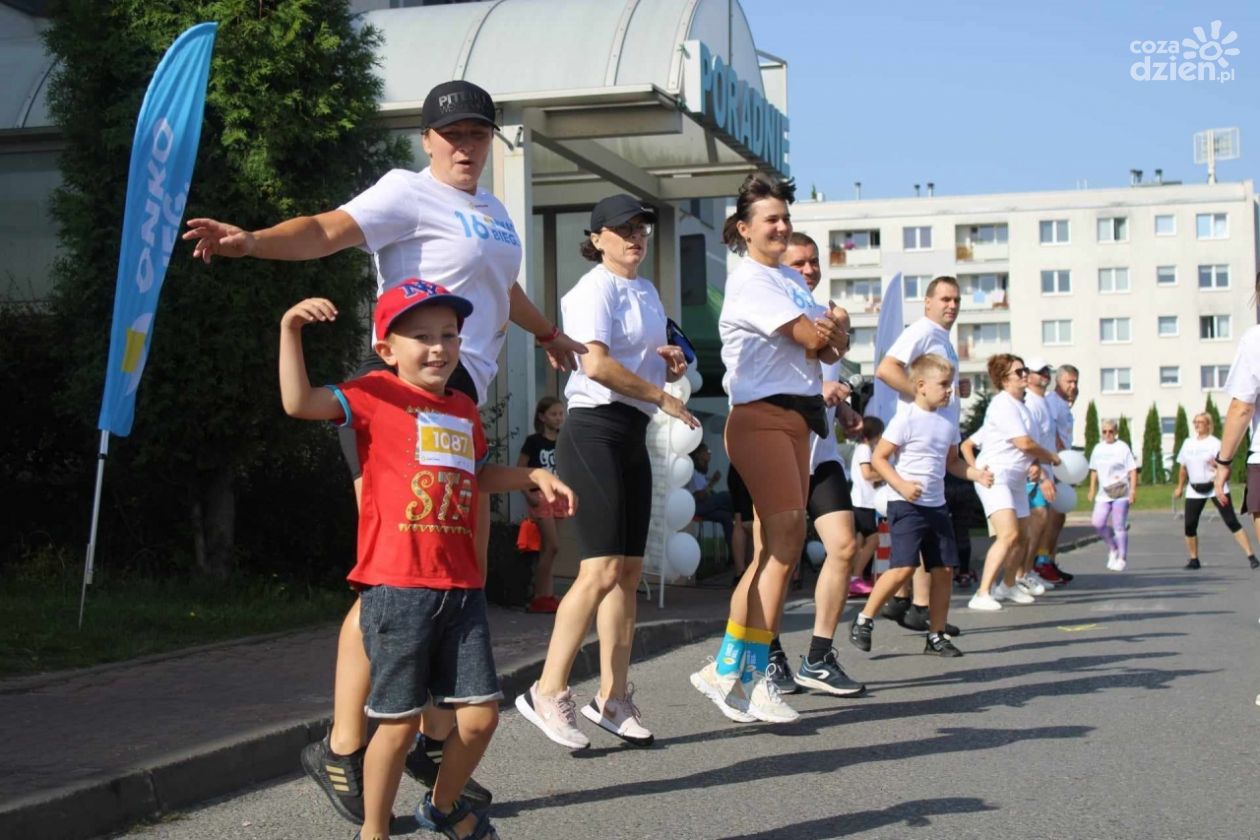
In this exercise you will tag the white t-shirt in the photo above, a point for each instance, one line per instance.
(416, 226)
(822, 450)
(863, 493)
(1198, 456)
(923, 440)
(1112, 462)
(699, 481)
(627, 317)
(1042, 422)
(926, 336)
(1005, 419)
(1061, 416)
(759, 361)
(1243, 383)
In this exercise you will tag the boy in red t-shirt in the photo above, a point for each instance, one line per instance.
(420, 589)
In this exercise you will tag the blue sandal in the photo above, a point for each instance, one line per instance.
(429, 817)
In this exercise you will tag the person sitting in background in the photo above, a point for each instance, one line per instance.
(711, 506)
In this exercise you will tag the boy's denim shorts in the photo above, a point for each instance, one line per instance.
(426, 644)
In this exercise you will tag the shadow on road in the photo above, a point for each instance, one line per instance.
(914, 814)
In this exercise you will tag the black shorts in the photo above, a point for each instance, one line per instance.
(602, 455)
(864, 521)
(916, 530)
(741, 499)
(460, 381)
(828, 490)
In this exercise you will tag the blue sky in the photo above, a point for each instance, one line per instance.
(989, 96)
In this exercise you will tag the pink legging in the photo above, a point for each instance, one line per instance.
(1109, 521)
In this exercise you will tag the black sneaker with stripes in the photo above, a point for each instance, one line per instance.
(340, 777)
(938, 644)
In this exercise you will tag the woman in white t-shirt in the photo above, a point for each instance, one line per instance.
(773, 337)
(1198, 468)
(1008, 445)
(439, 225)
(602, 449)
(1112, 468)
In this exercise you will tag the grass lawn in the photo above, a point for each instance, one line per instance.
(129, 618)
(1156, 497)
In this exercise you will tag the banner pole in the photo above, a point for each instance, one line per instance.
(96, 514)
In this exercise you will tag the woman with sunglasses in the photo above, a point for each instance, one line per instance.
(1009, 450)
(602, 449)
(1113, 468)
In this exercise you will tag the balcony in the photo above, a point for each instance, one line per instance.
(981, 251)
(842, 257)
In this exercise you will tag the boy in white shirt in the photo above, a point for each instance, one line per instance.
(923, 442)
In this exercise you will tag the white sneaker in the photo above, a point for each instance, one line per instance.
(984, 601)
(765, 702)
(725, 692)
(1030, 585)
(555, 716)
(1111, 559)
(620, 716)
(1120, 564)
(1002, 592)
(1046, 585)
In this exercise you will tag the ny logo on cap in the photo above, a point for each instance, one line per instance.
(411, 288)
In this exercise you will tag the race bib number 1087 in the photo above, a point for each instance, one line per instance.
(445, 441)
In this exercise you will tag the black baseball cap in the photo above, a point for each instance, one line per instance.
(451, 102)
(617, 210)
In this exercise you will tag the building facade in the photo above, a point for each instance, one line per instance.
(1146, 289)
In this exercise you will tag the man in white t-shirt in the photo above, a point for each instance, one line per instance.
(1060, 402)
(929, 334)
(711, 506)
(1040, 483)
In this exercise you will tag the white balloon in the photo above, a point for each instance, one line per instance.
(694, 377)
(816, 553)
(680, 388)
(881, 502)
(680, 506)
(683, 439)
(680, 470)
(682, 553)
(1072, 468)
(1064, 497)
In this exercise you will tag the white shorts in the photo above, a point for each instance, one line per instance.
(1005, 495)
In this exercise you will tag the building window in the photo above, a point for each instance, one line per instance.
(1113, 229)
(1211, 225)
(1114, 330)
(987, 235)
(1056, 282)
(1213, 327)
(1213, 277)
(1055, 232)
(866, 289)
(1113, 281)
(693, 263)
(862, 337)
(1212, 377)
(983, 289)
(978, 334)
(1167, 425)
(1166, 275)
(1165, 225)
(1169, 376)
(916, 238)
(1117, 380)
(1167, 326)
(844, 241)
(915, 285)
(1056, 332)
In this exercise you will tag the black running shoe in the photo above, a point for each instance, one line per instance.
(828, 676)
(860, 634)
(916, 618)
(1193, 563)
(779, 673)
(895, 608)
(422, 765)
(338, 776)
(940, 645)
(1255, 564)
(1066, 577)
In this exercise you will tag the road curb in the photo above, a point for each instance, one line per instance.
(206, 771)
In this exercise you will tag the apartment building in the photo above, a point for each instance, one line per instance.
(1145, 288)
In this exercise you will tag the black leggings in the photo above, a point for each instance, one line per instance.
(1194, 508)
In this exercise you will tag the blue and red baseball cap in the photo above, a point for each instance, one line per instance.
(411, 293)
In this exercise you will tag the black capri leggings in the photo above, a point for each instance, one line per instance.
(1194, 509)
(460, 381)
(602, 455)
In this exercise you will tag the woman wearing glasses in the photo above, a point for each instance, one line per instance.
(1010, 451)
(1113, 467)
(602, 449)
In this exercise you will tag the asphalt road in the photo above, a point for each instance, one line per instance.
(1122, 707)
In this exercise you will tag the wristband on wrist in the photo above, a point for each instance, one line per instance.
(550, 337)
(1224, 462)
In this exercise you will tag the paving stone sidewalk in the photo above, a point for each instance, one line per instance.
(91, 750)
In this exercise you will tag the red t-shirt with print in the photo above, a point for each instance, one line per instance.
(420, 453)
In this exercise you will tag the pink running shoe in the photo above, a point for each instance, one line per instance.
(858, 587)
